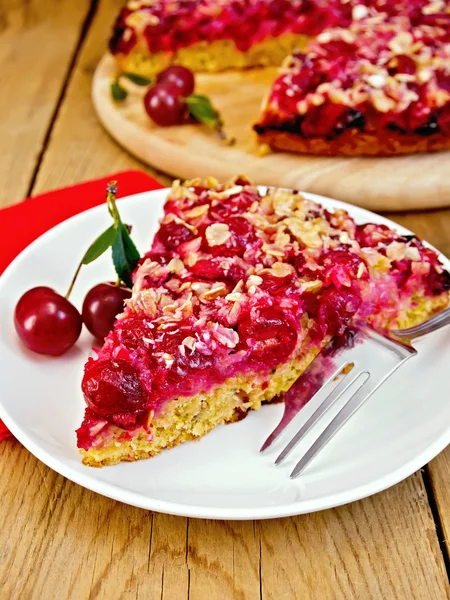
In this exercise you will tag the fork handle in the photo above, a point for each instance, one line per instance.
(434, 323)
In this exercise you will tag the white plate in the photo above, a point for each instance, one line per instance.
(399, 430)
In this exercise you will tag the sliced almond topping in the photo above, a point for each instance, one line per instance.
(412, 253)
(175, 265)
(235, 297)
(226, 336)
(254, 280)
(359, 12)
(361, 270)
(311, 286)
(189, 342)
(217, 290)
(217, 234)
(401, 43)
(396, 251)
(197, 211)
(168, 359)
(226, 193)
(377, 81)
(280, 269)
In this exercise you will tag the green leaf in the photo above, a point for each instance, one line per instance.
(117, 91)
(120, 259)
(125, 255)
(137, 79)
(202, 110)
(131, 251)
(101, 244)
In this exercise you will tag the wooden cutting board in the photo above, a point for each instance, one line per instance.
(381, 184)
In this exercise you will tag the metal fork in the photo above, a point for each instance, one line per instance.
(361, 362)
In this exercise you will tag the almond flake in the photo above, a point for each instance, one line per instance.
(168, 359)
(412, 253)
(280, 269)
(254, 280)
(226, 193)
(377, 81)
(311, 286)
(217, 234)
(189, 342)
(359, 12)
(214, 292)
(175, 265)
(197, 211)
(235, 297)
(361, 270)
(225, 336)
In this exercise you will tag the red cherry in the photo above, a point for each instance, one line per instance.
(47, 322)
(181, 77)
(113, 389)
(101, 306)
(173, 234)
(164, 105)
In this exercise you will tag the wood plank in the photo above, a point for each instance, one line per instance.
(374, 548)
(37, 41)
(439, 473)
(60, 540)
(79, 148)
(223, 560)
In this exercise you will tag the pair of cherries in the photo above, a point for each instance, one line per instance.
(165, 101)
(48, 323)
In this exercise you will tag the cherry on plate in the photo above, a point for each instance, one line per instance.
(180, 77)
(101, 306)
(46, 322)
(164, 105)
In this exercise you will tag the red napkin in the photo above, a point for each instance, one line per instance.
(24, 222)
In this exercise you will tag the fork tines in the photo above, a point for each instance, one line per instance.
(356, 372)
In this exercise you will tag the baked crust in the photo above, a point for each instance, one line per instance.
(356, 143)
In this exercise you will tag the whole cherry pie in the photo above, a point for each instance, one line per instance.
(360, 77)
(239, 292)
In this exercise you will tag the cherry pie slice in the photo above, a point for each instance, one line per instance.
(239, 292)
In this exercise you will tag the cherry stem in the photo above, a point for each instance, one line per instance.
(72, 283)
(111, 191)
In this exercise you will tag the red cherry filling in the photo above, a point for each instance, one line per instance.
(241, 235)
(173, 234)
(438, 283)
(112, 389)
(270, 337)
(341, 268)
(336, 308)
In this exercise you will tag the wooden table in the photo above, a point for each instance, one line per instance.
(58, 540)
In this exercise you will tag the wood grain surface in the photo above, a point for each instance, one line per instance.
(38, 41)
(399, 183)
(58, 540)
